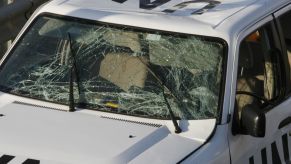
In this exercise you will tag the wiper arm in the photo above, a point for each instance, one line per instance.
(72, 72)
(173, 118)
(71, 91)
(163, 87)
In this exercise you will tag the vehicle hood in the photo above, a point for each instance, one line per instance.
(42, 135)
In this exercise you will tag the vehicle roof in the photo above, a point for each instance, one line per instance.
(213, 17)
(205, 17)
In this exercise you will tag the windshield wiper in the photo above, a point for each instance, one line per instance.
(72, 73)
(173, 118)
(71, 91)
(163, 87)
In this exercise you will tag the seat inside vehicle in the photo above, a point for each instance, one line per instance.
(123, 68)
(250, 73)
(286, 26)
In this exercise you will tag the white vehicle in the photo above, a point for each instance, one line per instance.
(149, 81)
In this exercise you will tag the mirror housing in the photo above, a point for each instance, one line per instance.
(253, 121)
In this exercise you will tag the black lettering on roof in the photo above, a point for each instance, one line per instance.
(119, 1)
(211, 4)
(6, 158)
(147, 4)
(31, 161)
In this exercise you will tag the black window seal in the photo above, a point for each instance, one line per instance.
(281, 86)
(284, 53)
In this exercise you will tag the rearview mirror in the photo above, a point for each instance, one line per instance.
(253, 121)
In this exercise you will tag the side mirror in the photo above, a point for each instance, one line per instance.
(253, 121)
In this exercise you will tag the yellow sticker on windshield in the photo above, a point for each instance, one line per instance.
(111, 105)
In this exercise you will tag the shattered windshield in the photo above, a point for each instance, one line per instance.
(117, 69)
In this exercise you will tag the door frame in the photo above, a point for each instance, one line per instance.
(250, 143)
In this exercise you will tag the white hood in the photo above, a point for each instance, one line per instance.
(50, 136)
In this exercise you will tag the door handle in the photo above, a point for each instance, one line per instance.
(285, 122)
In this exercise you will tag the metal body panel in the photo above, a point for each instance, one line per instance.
(215, 151)
(44, 134)
(200, 143)
(271, 148)
(50, 134)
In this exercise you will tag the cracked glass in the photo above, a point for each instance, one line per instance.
(118, 69)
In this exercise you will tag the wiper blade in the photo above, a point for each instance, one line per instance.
(173, 118)
(72, 72)
(163, 87)
(71, 91)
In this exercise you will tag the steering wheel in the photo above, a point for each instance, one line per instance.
(255, 96)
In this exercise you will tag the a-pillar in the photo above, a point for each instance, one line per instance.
(4, 46)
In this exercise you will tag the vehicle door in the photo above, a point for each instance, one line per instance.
(283, 22)
(260, 126)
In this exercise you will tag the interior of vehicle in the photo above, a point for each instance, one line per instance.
(255, 83)
(285, 21)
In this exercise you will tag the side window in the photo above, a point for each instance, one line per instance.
(285, 21)
(257, 72)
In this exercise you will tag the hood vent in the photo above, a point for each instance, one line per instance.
(136, 122)
(41, 106)
(5, 159)
(112, 118)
